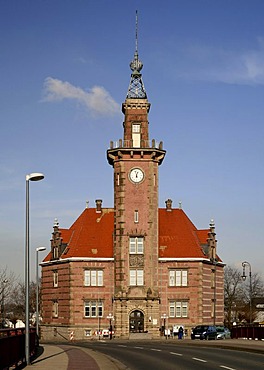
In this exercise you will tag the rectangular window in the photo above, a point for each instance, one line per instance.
(56, 252)
(178, 277)
(93, 277)
(213, 278)
(55, 308)
(172, 309)
(136, 277)
(55, 279)
(136, 216)
(136, 128)
(178, 308)
(136, 135)
(212, 308)
(136, 245)
(93, 309)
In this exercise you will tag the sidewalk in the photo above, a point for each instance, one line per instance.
(67, 357)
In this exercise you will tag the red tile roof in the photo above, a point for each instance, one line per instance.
(91, 235)
(178, 237)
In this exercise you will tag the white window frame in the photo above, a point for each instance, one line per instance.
(136, 135)
(178, 308)
(136, 277)
(55, 279)
(55, 308)
(93, 277)
(136, 128)
(136, 245)
(178, 277)
(56, 252)
(93, 308)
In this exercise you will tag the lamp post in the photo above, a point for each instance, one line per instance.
(31, 177)
(164, 317)
(214, 262)
(39, 249)
(4, 282)
(110, 317)
(244, 276)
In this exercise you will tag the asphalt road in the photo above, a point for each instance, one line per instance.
(166, 355)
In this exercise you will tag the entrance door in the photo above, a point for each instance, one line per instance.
(136, 322)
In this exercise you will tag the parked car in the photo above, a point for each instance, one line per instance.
(223, 332)
(204, 332)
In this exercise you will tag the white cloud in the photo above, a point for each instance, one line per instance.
(220, 65)
(97, 100)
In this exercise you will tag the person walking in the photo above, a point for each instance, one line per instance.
(180, 333)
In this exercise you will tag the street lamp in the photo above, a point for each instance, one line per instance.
(164, 317)
(214, 262)
(39, 249)
(110, 317)
(31, 177)
(244, 276)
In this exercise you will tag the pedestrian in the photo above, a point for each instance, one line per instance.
(180, 332)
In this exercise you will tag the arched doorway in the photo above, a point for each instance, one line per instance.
(136, 322)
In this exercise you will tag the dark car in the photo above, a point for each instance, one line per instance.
(204, 332)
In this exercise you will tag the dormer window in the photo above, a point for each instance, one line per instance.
(136, 136)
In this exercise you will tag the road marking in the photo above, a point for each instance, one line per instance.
(121, 345)
(226, 367)
(139, 347)
(176, 354)
(199, 359)
(155, 349)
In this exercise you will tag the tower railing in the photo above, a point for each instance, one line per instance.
(130, 144)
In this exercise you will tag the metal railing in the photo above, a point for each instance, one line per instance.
(129, 144)
(12, 346)
(255, 332)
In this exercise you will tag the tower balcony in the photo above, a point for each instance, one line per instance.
(127, 149)
(130, 144)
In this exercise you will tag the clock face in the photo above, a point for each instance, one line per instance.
(136, 175)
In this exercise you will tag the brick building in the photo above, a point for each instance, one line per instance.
(135, 267)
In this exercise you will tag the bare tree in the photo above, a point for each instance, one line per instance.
(251, 290)
(7, 281)
(12, 297)
(233, 291)
(239, 296)
(17, 307)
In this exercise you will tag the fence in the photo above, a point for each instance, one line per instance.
(12, 346)
(255, 332)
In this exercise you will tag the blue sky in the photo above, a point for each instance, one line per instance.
(64, 73)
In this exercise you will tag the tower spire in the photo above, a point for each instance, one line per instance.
(136, 89)
(136, 32)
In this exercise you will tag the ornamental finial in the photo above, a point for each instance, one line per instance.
(136, 89)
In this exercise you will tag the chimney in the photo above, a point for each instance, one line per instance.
(98, 203)
(168, 204)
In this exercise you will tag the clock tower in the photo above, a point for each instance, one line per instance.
(135, 160)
